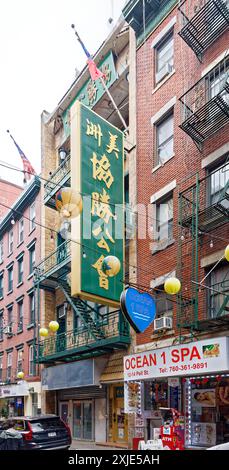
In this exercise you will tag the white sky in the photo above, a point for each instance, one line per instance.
(38, 57)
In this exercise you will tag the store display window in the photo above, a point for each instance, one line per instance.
(207, 410)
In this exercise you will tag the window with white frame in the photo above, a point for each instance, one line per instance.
(1, 286)
(164, 139)
(1, 366)
(20, 270)
(164, 57)
(164, 219)
(31, 308)
(32, 259)
(11, 241)
(1, 325)
(20, 315)
(10, 279)
(10, 316)
(19, 360)
(219, 177)
(32, 216)
(20, 230)
(9, 365)
(218, 282)
(1, 251)
(31, 360)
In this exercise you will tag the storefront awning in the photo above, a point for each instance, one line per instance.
(113, 371)
(18, 390)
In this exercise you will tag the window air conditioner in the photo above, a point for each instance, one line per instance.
(163, 323)
(166, 70)
(8, 330)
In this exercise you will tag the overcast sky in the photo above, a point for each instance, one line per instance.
(38, 57)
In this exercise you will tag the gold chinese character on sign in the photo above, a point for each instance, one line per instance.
(112, 147)
(101, 207)
(101, 170)
(95, 131)
(103, 278)
(91, 92)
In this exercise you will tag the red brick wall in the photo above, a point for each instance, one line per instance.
(9, 192)
(187, 158)
(27, 334)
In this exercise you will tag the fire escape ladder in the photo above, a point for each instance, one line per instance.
(84, 311)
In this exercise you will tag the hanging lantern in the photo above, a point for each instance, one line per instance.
(111, 266)
(20, 375)
(172, 286)
(54, 326)
(227, 253)
(68, 203)
(43, 332)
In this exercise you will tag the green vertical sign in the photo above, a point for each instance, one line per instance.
(102, 188)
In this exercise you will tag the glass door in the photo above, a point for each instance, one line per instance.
(83, 420)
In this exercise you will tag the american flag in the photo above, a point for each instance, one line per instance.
(27, 167)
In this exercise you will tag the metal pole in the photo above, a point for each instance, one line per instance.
(113, 102)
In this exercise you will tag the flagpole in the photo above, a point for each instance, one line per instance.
(102, 81)
(113, 102)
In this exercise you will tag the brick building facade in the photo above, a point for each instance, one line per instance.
(182, 179)
(21, 244)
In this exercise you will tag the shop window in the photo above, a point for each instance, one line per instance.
(208, 411)
(155, 395)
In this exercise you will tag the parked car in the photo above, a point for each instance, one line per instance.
(43, 432)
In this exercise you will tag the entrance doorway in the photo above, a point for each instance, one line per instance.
(64, 411)
(83, 420)
(119, 420)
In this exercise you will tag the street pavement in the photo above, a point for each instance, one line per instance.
(80, 445)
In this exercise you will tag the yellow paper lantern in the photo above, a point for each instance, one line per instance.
(111, 266)
(227, 253)
(172, 286)
(68, 203)
(20, 375)
(54, 326)
(43, 332)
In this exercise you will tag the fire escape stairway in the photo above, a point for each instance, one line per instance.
(84, 311)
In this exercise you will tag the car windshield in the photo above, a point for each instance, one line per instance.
(47, 424)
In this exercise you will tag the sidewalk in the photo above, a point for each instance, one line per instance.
(81, 445)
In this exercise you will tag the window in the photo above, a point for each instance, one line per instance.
(164, 140)
(20, 270)
(164, 219)
(10, 279)
(164, 57)
(9, 365)
(219, 281)
(20, 230)
(164, 306)
(19, 360)
(1, 326)
(32, 260)
(1, 286)
(32, 217)
(218, 180)
(1, 251)
(34, 404)
(217, 82)
(32, 308)
(1, 367)
(11, 241)
(10, 316)
(20, 315)
(32, 368)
